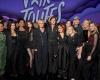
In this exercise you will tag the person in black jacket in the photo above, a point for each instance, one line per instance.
(41, 46)
(78, 27)
(62, 52)
(73, 45)
(52, 45)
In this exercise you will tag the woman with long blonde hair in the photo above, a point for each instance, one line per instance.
(73, 43)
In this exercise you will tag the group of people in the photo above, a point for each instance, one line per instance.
(67, 50)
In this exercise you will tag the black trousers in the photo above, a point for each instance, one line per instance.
(52, 49)
(72, 65)
(41, 62)
(11, 60)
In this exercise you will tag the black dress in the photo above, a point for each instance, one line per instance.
(30, 46)
(41, 55)
(80, 61)
(22, 51)
(89, 67)
(73, 43)
(30, 43)
(62, 56)
(11, 52)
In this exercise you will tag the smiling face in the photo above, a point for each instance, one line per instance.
(29, 24)
(68, 23)
(53, 21)
(76, 22)
(13, 26)
(60, 29)
(70, 30)
(41, 24)
(92, 27)
(21, 23)
(86, 24)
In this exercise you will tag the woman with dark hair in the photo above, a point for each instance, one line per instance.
(30, 45)
(68, 24)
(21, 44)
(11, 48)
(52, 45)
(62, 52)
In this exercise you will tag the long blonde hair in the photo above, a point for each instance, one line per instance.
(95, 28)
(73, 31)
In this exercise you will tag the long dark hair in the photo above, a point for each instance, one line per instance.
(9, 25)
(30, 23)
(24, 23)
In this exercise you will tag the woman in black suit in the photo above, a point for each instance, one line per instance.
(41, 46)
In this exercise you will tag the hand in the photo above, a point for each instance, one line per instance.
(89, 58)
(55, 56)
(77, 48)
(35, 50)
(79, 57)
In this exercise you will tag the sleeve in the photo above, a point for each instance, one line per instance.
(94, 44)
(78, 41)
(35, 39)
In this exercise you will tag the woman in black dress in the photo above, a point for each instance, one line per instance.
(89, 53)
(21, 44)
(73, 45)
(62, 52)
(12, 48)
(30, 45)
